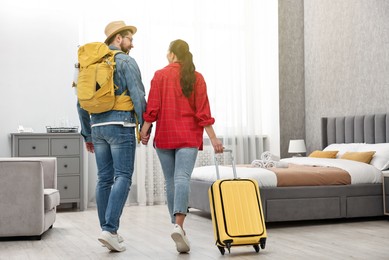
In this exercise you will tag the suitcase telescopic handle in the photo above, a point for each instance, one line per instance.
(233, 164)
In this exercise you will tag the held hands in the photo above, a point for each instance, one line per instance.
(144, 138)
(145, 133)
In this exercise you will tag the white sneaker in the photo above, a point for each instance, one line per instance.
(111, 241)
(120, 239)
(182, 242)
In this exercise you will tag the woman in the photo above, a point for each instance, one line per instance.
(179, 103)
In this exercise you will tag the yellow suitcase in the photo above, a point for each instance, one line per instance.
(236, 210)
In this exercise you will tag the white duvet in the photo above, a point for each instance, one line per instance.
(359, 172)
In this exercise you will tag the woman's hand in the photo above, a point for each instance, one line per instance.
(217, 145)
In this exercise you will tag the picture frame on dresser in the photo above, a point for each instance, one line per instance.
(68, 149)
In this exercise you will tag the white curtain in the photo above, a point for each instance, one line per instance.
(235, 47)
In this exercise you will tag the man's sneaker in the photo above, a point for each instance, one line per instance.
(120, 239)
(182, 242)
(111, 241)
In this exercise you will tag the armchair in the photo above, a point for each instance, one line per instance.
(28, 196)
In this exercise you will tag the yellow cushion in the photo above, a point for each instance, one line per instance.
(323, 154)
(364, 157)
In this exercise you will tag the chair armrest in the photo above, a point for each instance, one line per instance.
(21, 193)
(49, 165)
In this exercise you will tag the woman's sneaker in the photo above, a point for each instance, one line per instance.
(182, 242)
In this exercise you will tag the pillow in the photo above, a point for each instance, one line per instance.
(381, 157)
(323, 154)
(342, 148)
(364, 157)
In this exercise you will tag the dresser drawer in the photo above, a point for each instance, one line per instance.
(33, 147)
(65, 146)
(69, 187)
(68, 165)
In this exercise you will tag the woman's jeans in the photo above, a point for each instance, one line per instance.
(115, 153)
(177, 166)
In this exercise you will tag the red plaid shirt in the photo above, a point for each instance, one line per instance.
(180, 120)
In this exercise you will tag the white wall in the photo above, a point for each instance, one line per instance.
(38, 50)
(346, 61)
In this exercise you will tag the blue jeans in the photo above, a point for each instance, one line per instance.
(115, 154)
(177, 166)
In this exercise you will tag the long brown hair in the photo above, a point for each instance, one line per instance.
(188, 78)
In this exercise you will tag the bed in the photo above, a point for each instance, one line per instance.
(295, 203)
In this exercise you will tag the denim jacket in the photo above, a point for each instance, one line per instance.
(126, 76)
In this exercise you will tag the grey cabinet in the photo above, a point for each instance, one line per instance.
(68, 148)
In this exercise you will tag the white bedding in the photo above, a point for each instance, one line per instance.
(359, 172)
(264, 177)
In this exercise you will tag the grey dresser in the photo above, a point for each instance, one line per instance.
(68, 148)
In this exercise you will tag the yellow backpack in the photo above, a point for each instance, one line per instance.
(95, 85)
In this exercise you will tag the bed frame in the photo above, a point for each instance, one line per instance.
(321, 202)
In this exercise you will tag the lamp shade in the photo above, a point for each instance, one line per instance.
(297, 146)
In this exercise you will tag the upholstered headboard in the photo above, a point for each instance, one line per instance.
(355, 129)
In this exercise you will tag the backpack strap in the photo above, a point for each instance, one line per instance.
(124, 102)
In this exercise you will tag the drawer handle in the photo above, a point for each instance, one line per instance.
(33, 148)
(65, 187)
(65, 147)
(65, 166)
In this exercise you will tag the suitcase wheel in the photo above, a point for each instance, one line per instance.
(222, 250)
(256, 247)
(228, 244)
(262, 242)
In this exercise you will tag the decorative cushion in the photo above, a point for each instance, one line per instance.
(342, 148)
(364, 157)
(323, 154)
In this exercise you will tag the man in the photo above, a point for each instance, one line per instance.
(113, 137)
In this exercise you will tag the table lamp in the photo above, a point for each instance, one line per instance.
(297, 147)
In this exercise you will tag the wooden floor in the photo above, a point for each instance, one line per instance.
(146, 230)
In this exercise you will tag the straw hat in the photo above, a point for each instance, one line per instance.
(115, 27)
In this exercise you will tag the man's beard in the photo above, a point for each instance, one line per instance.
(126, 50)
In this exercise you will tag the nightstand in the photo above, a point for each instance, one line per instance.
(385, 185)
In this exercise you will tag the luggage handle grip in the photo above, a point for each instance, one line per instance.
(233, 164)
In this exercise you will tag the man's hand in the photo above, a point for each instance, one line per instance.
(90, 147)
